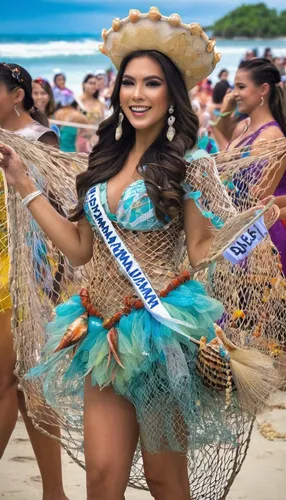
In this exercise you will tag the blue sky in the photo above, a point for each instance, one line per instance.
(90, 16)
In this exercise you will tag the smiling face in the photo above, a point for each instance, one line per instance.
(247, 93)
(40, 96)
(144, 95)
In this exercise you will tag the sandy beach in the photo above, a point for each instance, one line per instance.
(263, 475)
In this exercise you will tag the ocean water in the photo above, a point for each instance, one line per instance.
(77, 55)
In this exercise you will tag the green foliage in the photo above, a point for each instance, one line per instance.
(251, 21)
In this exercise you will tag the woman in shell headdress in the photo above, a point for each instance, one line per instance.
(125, 340)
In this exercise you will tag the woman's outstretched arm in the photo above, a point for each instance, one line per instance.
(73, 240)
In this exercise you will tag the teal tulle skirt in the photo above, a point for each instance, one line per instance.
(154, 368)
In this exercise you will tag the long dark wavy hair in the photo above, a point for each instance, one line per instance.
(263, 71)
(24, 81)
(163, 162)
(85, 80)
(51, 105)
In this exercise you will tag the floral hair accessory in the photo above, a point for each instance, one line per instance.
(16, 73)
(40, 80)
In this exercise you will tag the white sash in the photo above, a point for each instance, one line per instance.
(130, 267)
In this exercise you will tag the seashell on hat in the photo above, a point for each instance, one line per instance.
(187, 45)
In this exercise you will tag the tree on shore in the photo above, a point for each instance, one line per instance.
(251, 21)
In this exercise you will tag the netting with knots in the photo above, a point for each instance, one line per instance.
(253, 294)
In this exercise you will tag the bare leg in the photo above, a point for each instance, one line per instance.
(167, 475)
(48, 455)
(8, 382)
(110, 436)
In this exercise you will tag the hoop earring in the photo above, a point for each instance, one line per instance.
(118, 131)
(171, 132)
(261, 101)
(16, 110)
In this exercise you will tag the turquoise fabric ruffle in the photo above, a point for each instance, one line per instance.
(216, 220)
(159, 376)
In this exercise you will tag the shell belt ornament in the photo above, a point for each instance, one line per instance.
(222, 365)
(187, 45)
(213, 359)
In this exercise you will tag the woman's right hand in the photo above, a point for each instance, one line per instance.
(12, 165)
(228, 103)
(74, 241)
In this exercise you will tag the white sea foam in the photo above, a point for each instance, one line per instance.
(45, 58)
(49, 49)
(241, 50)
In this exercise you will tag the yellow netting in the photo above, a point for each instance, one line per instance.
(5, 301)
(253, 294)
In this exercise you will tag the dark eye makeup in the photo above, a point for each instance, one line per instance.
(150, 83)
(126, 82)
(154, 83)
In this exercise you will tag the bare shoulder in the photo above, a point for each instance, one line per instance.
(80, 118)
(270, 134)
(59, 114)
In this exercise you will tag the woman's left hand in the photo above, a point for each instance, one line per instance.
(271, 216)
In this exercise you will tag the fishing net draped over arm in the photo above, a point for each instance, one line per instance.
(255, 294)
(37, 267)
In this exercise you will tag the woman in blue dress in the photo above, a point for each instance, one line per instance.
(118, 344)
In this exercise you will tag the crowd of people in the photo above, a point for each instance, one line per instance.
(143, 389)
(59, 103)
(209, 101)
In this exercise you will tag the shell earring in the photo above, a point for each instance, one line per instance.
(261, 101)
(171, 132)
(16, 110)
(118, 131)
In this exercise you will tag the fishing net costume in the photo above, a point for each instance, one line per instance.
(100, 326)
(32, 131)
(186, 412)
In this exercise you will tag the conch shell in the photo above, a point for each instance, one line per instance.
(75, 332)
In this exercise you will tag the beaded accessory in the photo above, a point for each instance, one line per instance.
(118, 131)
(30, 197)
(171, 132)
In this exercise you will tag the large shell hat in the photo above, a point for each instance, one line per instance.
(187, 45)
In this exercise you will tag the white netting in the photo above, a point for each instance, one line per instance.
(253, 295)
